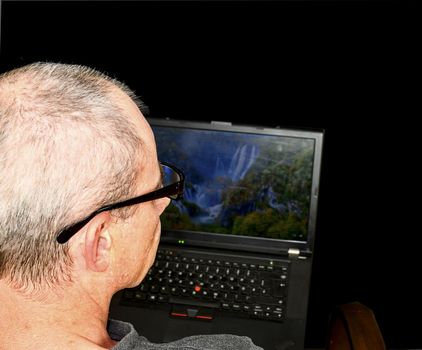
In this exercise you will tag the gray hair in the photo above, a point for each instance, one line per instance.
(66, 149)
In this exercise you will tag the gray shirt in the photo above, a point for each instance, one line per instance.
(129, 339)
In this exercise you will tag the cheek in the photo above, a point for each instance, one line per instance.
(147, 252)
(149, 226)
(161, 204)
(149, 237)
(155, 240)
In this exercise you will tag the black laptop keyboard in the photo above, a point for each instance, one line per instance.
(197, 285)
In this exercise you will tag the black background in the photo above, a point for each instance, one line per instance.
(341, 66)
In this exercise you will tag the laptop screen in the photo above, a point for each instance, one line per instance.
(240, 181)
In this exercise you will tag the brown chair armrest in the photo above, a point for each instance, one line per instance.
(353, 327)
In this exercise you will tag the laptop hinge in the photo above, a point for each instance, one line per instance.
(294, 253)
(218, 122)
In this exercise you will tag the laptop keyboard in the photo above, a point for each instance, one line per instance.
(198, 284)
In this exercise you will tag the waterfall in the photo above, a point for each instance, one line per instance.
(233, 164)
(242, 160)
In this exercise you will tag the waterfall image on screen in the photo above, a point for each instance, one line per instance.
(238, 183)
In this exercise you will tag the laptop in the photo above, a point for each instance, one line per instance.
(235, 254)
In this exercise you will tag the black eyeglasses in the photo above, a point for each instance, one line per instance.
(173, 184)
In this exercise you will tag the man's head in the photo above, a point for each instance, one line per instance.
(72, 140)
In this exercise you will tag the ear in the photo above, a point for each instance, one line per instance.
(98, 243)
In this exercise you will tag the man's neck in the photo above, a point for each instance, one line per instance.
(70, 317)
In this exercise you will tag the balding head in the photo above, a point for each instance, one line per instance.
(68, 146)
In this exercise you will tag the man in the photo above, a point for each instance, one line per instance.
(81, 193)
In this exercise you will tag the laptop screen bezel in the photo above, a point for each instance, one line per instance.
(247, 243)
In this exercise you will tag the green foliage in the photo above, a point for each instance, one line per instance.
(268, 224)
(291, 227)
(256, 223)
(173, 219)
(192, 208)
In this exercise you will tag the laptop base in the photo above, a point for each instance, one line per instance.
(157, 325)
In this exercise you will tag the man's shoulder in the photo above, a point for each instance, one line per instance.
(215, 341)
(129, 339)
